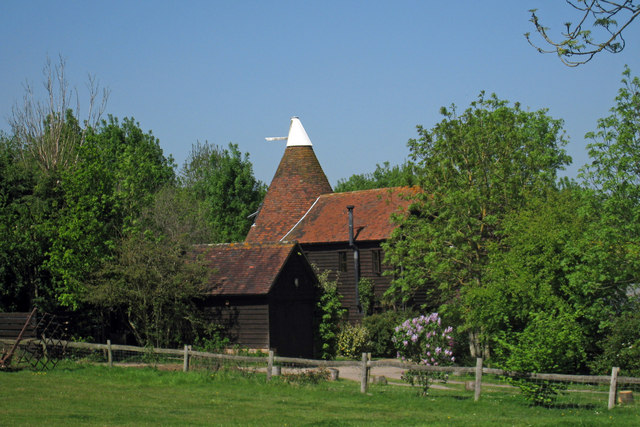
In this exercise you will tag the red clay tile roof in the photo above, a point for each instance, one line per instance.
(297, 183)
(328, 220)
(243, 268)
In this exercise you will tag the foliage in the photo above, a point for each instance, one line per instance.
(352, 340)
(545, 265)
(424, 341)
(150, 283)
(215, 341)
(578, 41)
(223, 183)
(614, 174)
(29, 205)
(474, 168)
(381, 327)
(329, 313)
(119, 168)
(366, 292)
(621, 347)
(551, 342)
(175, 214)
(384, 176)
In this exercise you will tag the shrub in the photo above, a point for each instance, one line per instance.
(551, 343)
(329, 312)
(381, 328)
(424, 341)
(367, 295)
(621, 347)
(213, 340)
(352, 341)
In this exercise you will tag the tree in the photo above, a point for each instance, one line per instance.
(47, 130)
(614, 174)
(30, 200)
(578, 41)
(473, 169)
(383, 177)
(540, 270)
(153, 286)
(119, 169)
(223, 182)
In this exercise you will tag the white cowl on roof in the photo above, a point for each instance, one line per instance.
(297, 135)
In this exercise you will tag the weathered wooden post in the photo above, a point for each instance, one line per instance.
(109, 354)
(613, 385)
(478, 384)
(185, 364)
(269, 365)
(364, 370)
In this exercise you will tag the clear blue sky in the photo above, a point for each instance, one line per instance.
(359, 74)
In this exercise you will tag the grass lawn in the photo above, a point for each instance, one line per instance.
(77, 394)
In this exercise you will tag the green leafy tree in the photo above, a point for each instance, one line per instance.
(119, 168)
(621, 347)
(222, 180)
(536, 272)
(614, 174)
(153, 287)
(29, 206)
(473, 169)
(599, 28)
(614, 177)
(384, 176)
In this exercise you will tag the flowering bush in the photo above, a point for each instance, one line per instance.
(424, 341)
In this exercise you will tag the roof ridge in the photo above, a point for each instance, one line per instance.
(303, 216)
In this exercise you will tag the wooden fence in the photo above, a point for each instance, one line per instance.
(364, 365)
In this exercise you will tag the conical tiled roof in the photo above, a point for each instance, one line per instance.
(298, 182)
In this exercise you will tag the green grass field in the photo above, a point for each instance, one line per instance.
(82, 394)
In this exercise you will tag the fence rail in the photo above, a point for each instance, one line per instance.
(272, 361)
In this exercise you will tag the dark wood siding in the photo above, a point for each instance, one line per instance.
(246, 319)
(291, 308)
(325, 257)
(282, 320)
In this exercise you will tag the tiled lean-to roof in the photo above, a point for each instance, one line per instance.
(327, 220)
(297, 183)
(244, 268)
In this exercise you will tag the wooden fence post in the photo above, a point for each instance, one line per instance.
(478, 385)
(109, 354)
(364, 370)
(613, 385)
(185, 365)
(269, 365)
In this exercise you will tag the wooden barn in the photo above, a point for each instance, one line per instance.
(264, 289)
(343, 232)
(263, 293)
(301, 206)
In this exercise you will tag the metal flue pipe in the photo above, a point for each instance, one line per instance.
(356, 257)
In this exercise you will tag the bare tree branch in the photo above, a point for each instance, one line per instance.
(578, 45)
(46, 127)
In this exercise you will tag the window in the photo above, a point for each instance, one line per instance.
(376, 261)
(342, 261)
